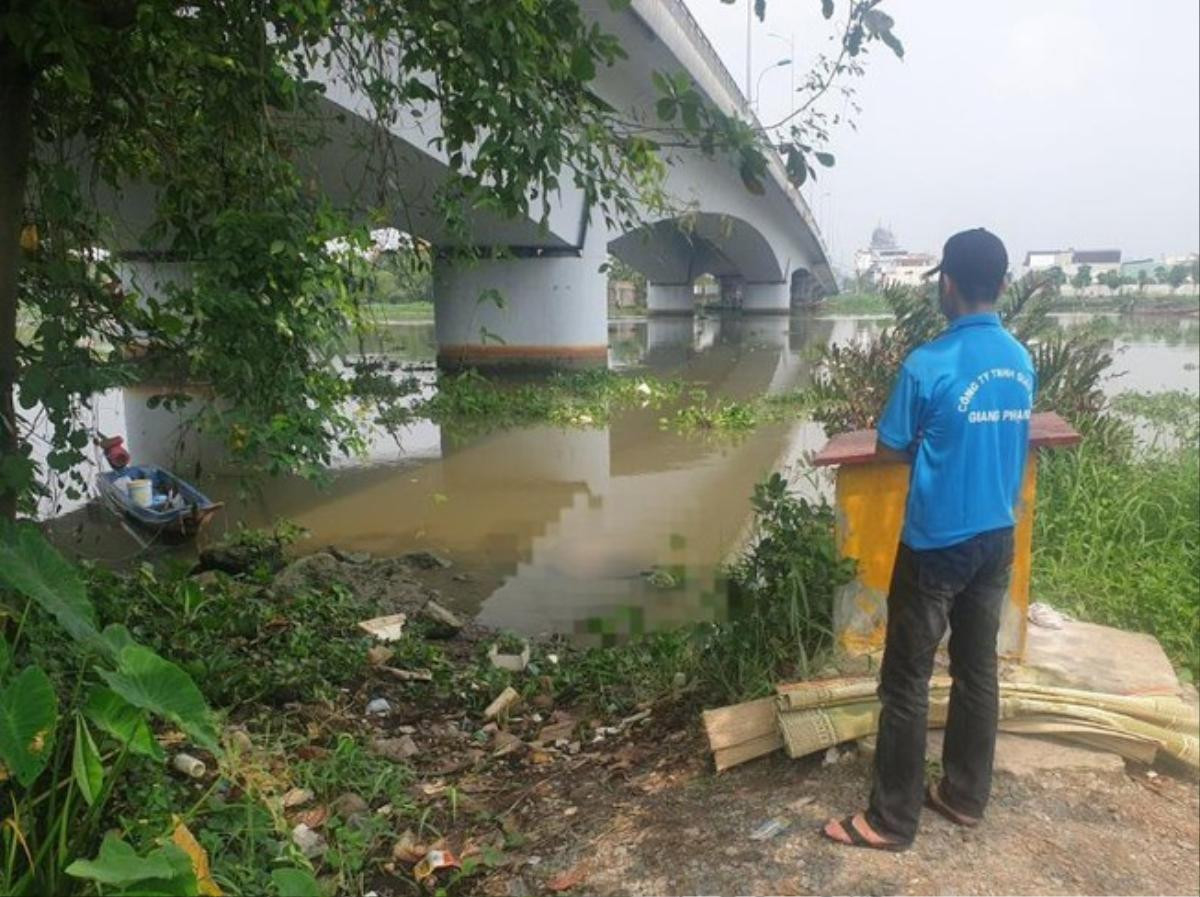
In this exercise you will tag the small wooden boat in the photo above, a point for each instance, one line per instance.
(175, 510)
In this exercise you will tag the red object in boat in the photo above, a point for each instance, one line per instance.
(115, 451)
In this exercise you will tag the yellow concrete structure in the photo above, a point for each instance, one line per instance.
(870, 500)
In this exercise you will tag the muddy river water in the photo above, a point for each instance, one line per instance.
(555, 529)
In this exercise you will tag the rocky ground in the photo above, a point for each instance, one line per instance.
(668, 825)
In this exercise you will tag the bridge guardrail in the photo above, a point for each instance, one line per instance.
(683, 17)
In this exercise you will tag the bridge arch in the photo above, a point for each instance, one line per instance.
(673, 252)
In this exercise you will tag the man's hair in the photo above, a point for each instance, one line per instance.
(979, 293)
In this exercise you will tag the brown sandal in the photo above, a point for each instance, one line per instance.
(936, 802)
(857, 839)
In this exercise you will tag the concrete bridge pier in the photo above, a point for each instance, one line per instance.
(535, 311)
(766, 298)
(669, 299)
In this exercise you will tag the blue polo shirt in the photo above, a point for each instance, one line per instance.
(960, 408)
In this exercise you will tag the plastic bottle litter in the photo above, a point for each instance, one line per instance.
(378, 707)
(190, 766)
(432, 862)
(770, 828)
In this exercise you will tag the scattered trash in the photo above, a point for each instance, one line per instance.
(832, 755)
(505, 743)
(188, 765)
(462, 577)
(348, 805)
(408, 675)
(378, 707)
(679, 680)
(395, 749)
(439, 622)
(553, 658)
(770, 829)
(1046, 617)
(296, 797)
(570, 811)
(801, 802)
(643, 388)
(314, 818)
(239, 740)
(512, 662)
(406, 850)
(389, 628)
(557, 731)
(503, 703)
(632, 720)
(310, 843)
(432, 862)
(377, 655)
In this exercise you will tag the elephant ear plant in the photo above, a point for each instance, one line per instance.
(67, 732)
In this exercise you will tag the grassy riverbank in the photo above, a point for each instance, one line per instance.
(852, 303)
(1117, 528)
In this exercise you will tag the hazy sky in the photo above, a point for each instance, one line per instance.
(1055, 123)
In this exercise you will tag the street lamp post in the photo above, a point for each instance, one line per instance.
(790, 40)
(758, 84)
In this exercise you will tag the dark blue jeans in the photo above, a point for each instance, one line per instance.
(962, 585)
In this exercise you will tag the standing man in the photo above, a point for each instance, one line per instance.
(959, 414)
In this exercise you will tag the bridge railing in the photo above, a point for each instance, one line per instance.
(683, 17)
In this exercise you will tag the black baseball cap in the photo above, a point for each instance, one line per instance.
(976, 259)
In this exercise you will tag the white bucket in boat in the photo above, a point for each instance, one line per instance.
(141, 493)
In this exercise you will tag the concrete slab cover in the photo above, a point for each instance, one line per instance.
(1096, 658)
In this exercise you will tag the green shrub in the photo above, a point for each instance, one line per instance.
(781, 597)
(241, 641)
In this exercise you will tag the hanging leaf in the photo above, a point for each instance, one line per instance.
(295, 883)
(148, 681)
(31, 566)
(165, 870)
(760, 9)
(666, 107)
(123, 721)
(827, 8)
(85, 763)
(5, 659)
(28, 715)
(825, 159)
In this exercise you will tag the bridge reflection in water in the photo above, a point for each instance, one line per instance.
(559, 526)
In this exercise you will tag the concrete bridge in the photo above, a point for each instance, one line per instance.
(765, 250)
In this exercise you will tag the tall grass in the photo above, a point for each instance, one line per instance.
(1117, 528)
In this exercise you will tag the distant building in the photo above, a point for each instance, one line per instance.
(1071, 260)
(1045, 259)
(885, 262)
(1099, 261)
(1132, 268)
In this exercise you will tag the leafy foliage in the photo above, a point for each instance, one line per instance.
(32, 736)
(241, 641)
(854, 381)
(209, 125)
(781, 597)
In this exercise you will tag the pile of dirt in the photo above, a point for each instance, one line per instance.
(390, 583)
